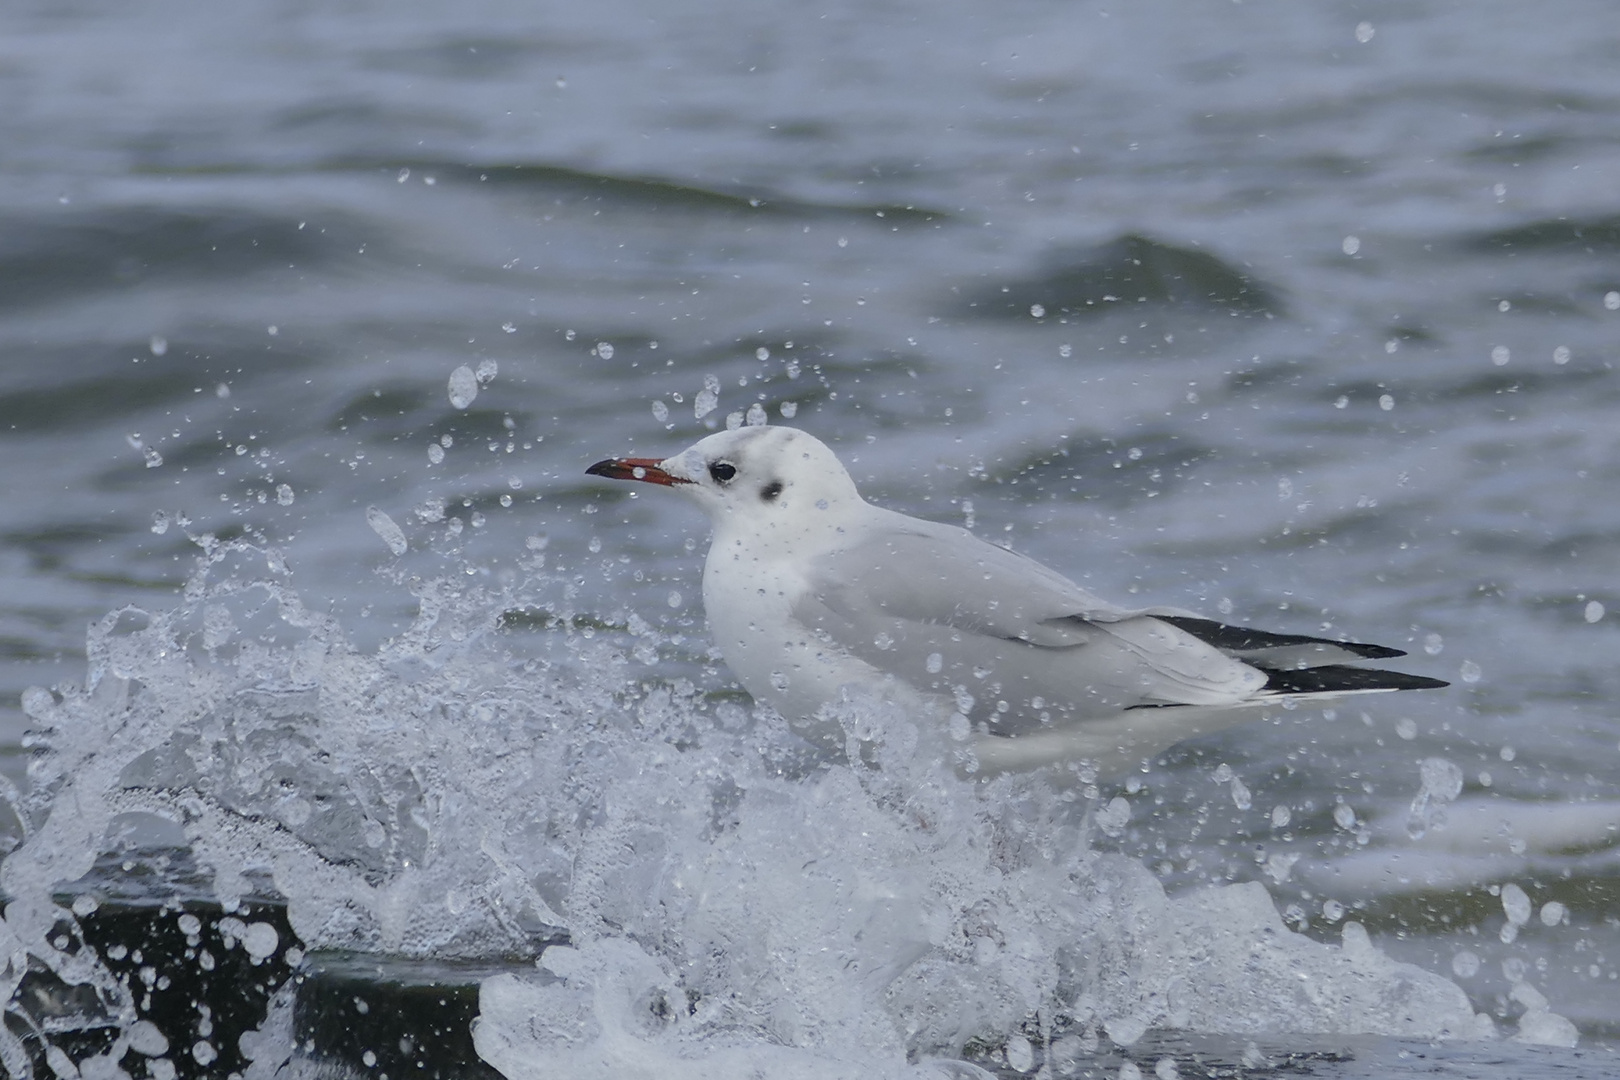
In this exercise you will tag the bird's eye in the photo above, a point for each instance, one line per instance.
(722, 471)
(771, 490)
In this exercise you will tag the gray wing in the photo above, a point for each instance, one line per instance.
(950, 614)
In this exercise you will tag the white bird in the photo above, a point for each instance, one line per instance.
(812, 592)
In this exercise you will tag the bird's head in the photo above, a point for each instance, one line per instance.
(762, 480)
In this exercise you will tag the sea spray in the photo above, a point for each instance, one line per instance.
(673, 877)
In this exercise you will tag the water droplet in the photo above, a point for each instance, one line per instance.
(260, 940)
(660, 411)
(1441, 783)
(883, 641)
(1515, 904)
(384, 526)
(756, 415)
(509, 327)
(435, 453)
(762, 353)
(284, 494)
(1392, 346)
(506, 500)
(1242, 798)
(1113, 817)
(1281, 816)
(1500, 355)
(1341, 402)
(604, 349)
(789, 409)
(1386, 402)
(1065, 351)
(1504, 305)
(935, 663)
(158, 345)
(1433, 644)
(1038, 310)
(674, 599)
(734, 420)
(1344, 816)
(1020, 1054)
(1611, 300)
(1469, 672)
(487, 370)
(402, 176)
(1465, 965)
(1594, 611)
(708, 399)
(1364, 32)
(463, 386)
(1406, 728)
(447, 441)
(1351, 245)
(1561, 355)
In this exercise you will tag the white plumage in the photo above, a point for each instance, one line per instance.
(810, 590)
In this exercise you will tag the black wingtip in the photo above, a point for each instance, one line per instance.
(1341, 678)
(1242, 639)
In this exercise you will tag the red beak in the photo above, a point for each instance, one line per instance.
(644, 469)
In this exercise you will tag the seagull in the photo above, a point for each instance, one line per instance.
(813, 593)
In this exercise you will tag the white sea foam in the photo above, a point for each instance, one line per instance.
(727, 896)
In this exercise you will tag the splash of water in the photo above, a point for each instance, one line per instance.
(696, 882)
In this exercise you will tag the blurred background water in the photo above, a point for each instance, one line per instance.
(1303, 315)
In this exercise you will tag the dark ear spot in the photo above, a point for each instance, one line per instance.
(771, 490)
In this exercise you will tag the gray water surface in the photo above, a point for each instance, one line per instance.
(1305, 316)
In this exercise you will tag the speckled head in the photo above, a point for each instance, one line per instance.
(752, 479)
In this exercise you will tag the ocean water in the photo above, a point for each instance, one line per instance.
(321, 657)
